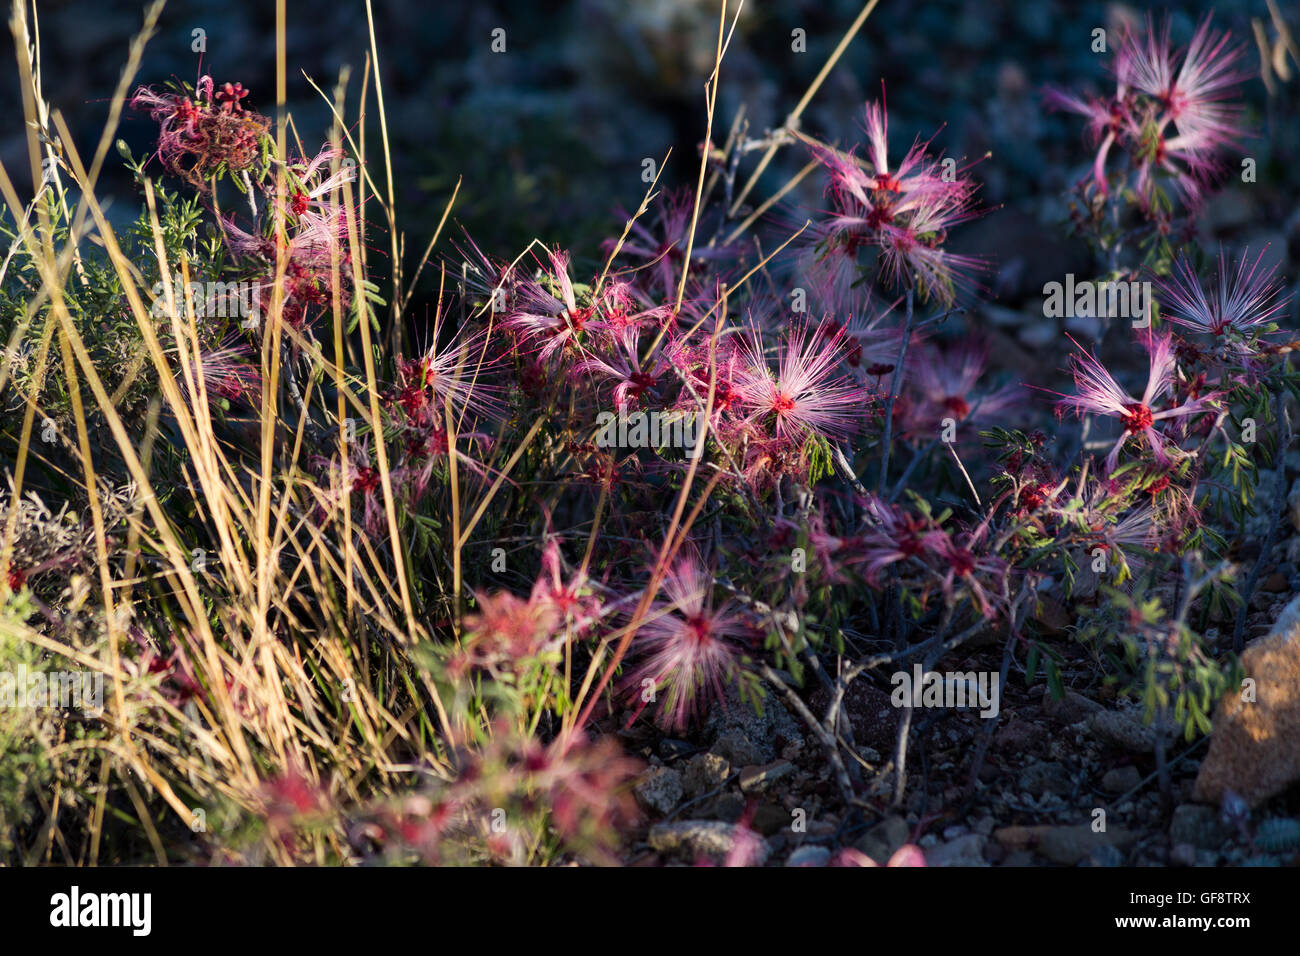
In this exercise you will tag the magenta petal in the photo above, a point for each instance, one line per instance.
(909, 854)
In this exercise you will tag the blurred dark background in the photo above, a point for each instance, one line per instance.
(551, 134)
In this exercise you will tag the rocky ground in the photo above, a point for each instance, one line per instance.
(1052, 765)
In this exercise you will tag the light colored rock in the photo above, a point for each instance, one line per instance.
(1293, 504)
(736, 749)
(1289, 618)
(1182, 854)
(1120, 730)
(659, 789)
(1003, 317)
(1105, 855)
(704, 773)
(1086, 327)
(708, 838)
(1228, 210)
(1071, 708)
(1039, 334)
(1046, 777)
(761, 731)
(1255, 749)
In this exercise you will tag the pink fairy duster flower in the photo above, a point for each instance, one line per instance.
(1090, 506)
(507, 629)
(944, 383)
(244, 243)
(199, 137)
(573, 599)
(1240, 302)
(912, 250)
(661, 247)
(460, 373)
(556, 323)
(316, 244)
(616, 312)
(1140, 528)
(897, 535)
(880, 192)
(832, 551)
(457, 377)
(228, 372)
(1168, 112)
(1106, 123)
(905, 211)
(291, 801)
(178, 681)
(807, 395)
(316, 241)
(836, 297)
(319, 238)
(622, 312)
(1098, 514)
(687, 646)
(494, 280)
(427, 444)
(621, 364)
(588, 790)
(968, 562)
(319, 186)
(353, 478)
(1192, 93)
(690, 358)
(871, 352)
(763, 459)
(1100, 394)
(1104, 115)
(1175, 515)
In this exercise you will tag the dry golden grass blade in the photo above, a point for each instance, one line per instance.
(453, 481)
(25, 440)
(191, 601)
(797, 112)
(711, 99)
(641, 210)
(194, 418)
(428, 250)
(111, 621)
(586, 699)
(771, 201)
(390, 207)
(500, 479)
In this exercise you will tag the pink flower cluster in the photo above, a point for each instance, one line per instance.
(1171, 111)
(902, 210)
(200, 136)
